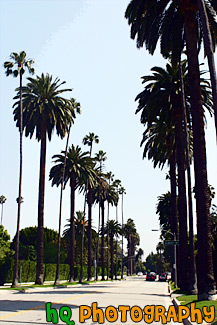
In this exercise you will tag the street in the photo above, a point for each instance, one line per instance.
(29, 307)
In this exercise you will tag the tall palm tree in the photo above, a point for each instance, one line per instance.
(161, 105)
(122, 191)
(116, 184)
(167, 108)
(113, 228)
(110, 177)
(192, 262)
(2, 201)
(89, 140)
(20, 62)
(131, 235)
(176, 24)
(100, 157)
(78, 171)
(43, 111)
(100, 192)
(76, 107)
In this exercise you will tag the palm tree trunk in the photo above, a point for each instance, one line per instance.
(116, 244)
(82, 240)
(72, 231)
(182, 204)
(90, 256)
(108, 243)
(2, 214)
(57, 281)
(41, 195)
(112, 256)
(97, 246)
(102, 240)
(192, 264)
(129, 255)
(205, 277)
(16, 256)
(210, 55)
(174, 219)
(122, 237)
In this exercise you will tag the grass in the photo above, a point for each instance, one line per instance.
(186, 300)
(64, 284)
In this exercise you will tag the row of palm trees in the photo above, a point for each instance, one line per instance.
(39, 108)
(85, 173)
(172, 111)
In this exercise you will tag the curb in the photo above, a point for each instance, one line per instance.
(176, 303)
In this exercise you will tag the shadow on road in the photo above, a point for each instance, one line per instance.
(23, 322)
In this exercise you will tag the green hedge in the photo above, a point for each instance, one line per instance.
(28, 271)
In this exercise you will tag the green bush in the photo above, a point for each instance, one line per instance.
(5, 269)
(27, 271)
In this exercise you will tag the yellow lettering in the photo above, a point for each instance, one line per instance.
(136, 314)
(149, 314)
(160, 312)
(111, 314)
(123, 310)
(172, 314)
(209, 316)
(84, 315)
(196, 312)
(97, 313)
(182, 316)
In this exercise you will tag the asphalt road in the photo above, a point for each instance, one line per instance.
(29, 308)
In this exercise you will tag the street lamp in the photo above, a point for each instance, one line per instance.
(174, 245)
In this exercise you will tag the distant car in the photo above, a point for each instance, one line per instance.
(139, 273)
(151, 276)
(163, 277)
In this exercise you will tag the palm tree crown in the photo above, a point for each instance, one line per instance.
(43, 107)
(21, 62)
(90, 139)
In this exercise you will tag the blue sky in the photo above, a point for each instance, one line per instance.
(86, 43)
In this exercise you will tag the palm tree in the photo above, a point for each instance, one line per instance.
(76, 107)
(2, 201)
(100, 157)
(166, 106)
(89, 140)
(192, 262)
(43, 111)
(100, 193)
(131, 235)
(20, 62)
(176, 24)
(79, 170)
(116, 184)
(113, 228)
(161, 107)
(110, 177)
(122, 191)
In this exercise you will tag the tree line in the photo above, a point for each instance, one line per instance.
(172, 107)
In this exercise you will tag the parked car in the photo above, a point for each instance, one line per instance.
(139, 273)
(151, 276)
(163, 277)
